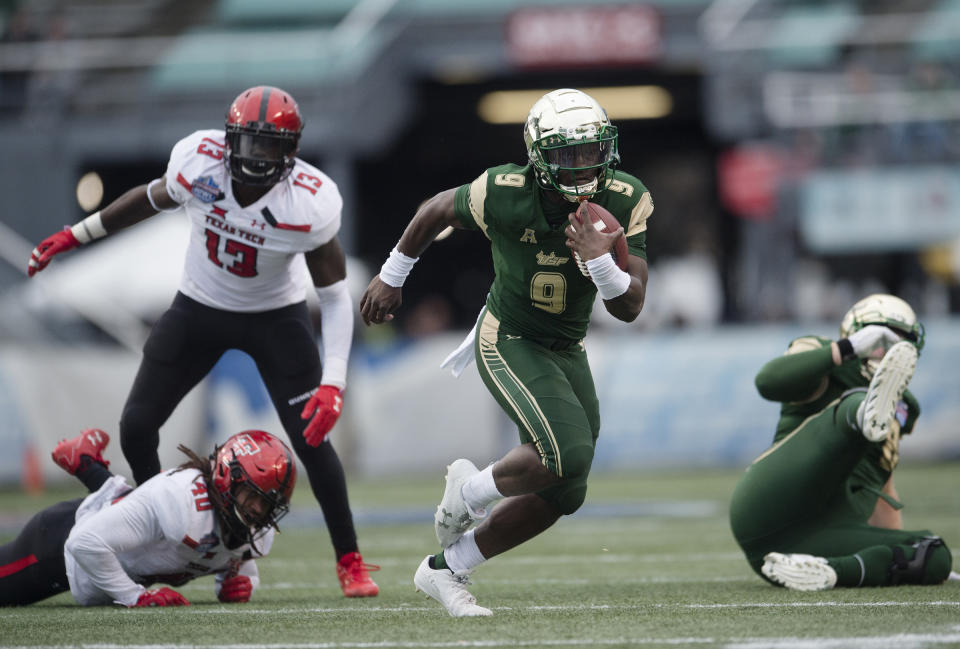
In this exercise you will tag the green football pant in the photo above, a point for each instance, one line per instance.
(803, 496)
(547, 389)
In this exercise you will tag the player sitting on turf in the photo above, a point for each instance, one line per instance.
(208, 516)
(819, 509)
(528, 340)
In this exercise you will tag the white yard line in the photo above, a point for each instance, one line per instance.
(899, 641)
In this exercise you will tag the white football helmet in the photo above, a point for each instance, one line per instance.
(887, 310)
(571, 143)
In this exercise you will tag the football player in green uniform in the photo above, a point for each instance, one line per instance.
(819, 509)
(528, 338)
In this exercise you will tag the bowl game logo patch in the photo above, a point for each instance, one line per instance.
(205, 189)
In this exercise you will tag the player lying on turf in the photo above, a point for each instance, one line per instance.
(819, 508)
(210, 515)
(528, 339)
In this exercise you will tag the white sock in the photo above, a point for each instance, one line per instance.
(464, 554)
(479, 491)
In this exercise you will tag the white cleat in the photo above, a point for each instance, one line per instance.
(889, 382)
(799, 571)
(450, 589)
(453, 516)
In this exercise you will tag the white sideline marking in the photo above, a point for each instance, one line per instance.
(900, 641)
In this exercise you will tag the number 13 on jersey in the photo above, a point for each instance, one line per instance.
(242, 255)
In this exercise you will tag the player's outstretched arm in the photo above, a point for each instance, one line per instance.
(132, 207)
(328, 269)
(383, 295)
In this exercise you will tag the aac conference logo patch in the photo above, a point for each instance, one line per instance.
(205, 189)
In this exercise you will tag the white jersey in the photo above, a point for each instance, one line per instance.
(242, 258)
(164, 531)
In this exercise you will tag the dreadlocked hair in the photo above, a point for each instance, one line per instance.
(205, 467)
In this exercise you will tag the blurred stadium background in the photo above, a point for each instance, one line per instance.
(800, 154)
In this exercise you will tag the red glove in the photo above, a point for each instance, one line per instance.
(52, 245)
(162, 597)
(326, 402)
(235, 589)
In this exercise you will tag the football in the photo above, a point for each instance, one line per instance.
(603, 221)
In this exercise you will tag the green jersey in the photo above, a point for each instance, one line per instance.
(806, 381)
(538, 291)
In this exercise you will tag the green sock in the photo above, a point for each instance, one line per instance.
(869, 567)
(439, 562)
(847, 414)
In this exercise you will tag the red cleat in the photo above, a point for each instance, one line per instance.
(354, 576)
(89, 442)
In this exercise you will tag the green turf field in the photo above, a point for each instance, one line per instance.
(649, 562)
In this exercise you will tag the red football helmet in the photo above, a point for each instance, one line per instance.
(263, 135)
(262, 463)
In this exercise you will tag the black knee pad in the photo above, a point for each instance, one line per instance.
(931, 563)
(566, 497)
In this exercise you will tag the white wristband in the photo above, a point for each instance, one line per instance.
(396, 268)
(611, 282)
(89, 229)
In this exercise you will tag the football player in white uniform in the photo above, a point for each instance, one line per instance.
(208, 516)
(254, 209)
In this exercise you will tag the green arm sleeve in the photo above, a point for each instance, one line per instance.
(794, 377)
